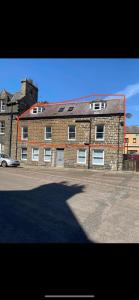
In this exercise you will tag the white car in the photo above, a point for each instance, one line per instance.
(6, 161)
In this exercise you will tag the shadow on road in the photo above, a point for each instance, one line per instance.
(41, 215)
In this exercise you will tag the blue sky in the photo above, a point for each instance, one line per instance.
(64, 79)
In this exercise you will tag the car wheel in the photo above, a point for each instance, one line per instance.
(4, 164)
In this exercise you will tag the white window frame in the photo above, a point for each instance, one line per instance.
(2, 127)
(78, 162)
(98, 139)
(37, 108)
(22, 129)
(92, 105)
(50, 155)
(22, 153)
(32, 154)
(97, 164)
(75, 133)
(45, 133)
(1, 105)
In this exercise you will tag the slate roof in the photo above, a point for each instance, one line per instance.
(80, 109)
(17, 96)
(10, 97)
(4, 94)
(132, 129)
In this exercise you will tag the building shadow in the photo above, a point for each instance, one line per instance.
(40, 215)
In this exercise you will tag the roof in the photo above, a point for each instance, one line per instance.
(79, 109)
(10, 97)
(132, 129)
(17, 96)
(4, 94)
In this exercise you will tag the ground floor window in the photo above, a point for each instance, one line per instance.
(2, 127)
(98, 157)
(1, 148)
(47, 154)
(24, 153)
(35, 154)
(81, 156)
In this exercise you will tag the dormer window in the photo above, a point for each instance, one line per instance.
(70, 108)
(97, 105)
(38, 109)
(61, 109)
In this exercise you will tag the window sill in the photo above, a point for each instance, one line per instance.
(24, 139)
(72, 140)
(99, 140)
(97, 164)
(48, 139)
(47, 161)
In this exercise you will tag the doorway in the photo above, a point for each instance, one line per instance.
(59, 157)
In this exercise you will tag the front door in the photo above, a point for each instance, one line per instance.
(60, 157)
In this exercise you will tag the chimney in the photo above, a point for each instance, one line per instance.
(28, 89)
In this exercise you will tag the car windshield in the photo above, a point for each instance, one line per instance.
(4, 156)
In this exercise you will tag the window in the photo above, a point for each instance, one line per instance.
(35, 110)
(24, 153)
(134, 140)
(48, 133)
(47, 155)
(98, 157)
(70, 108)
(2, 127)
(2, 105)
(71, 132)
(102, 105)
(126, 140)
(41, 109)
(61, 109)
(97, 105)
(24, 133)
(81, 156)
(99, 132)
(38, 109)
(35, 154)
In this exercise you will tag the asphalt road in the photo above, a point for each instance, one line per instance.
(39, 205)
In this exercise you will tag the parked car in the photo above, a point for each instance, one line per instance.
(6, 161)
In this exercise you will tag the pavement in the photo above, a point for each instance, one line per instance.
(39, 205)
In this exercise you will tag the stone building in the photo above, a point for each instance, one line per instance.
(12, 105)
(85, 135)
(132, 140)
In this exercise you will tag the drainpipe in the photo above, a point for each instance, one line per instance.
(16, 137)
(89, 143)
(11, 123)
(118, 145)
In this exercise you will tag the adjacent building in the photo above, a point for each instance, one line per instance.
(12, 105)
(132, 140)
(77, 135)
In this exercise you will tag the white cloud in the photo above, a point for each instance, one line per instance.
(129, 91)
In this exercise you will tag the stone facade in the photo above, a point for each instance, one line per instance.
(112, 143)
(15, 104)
